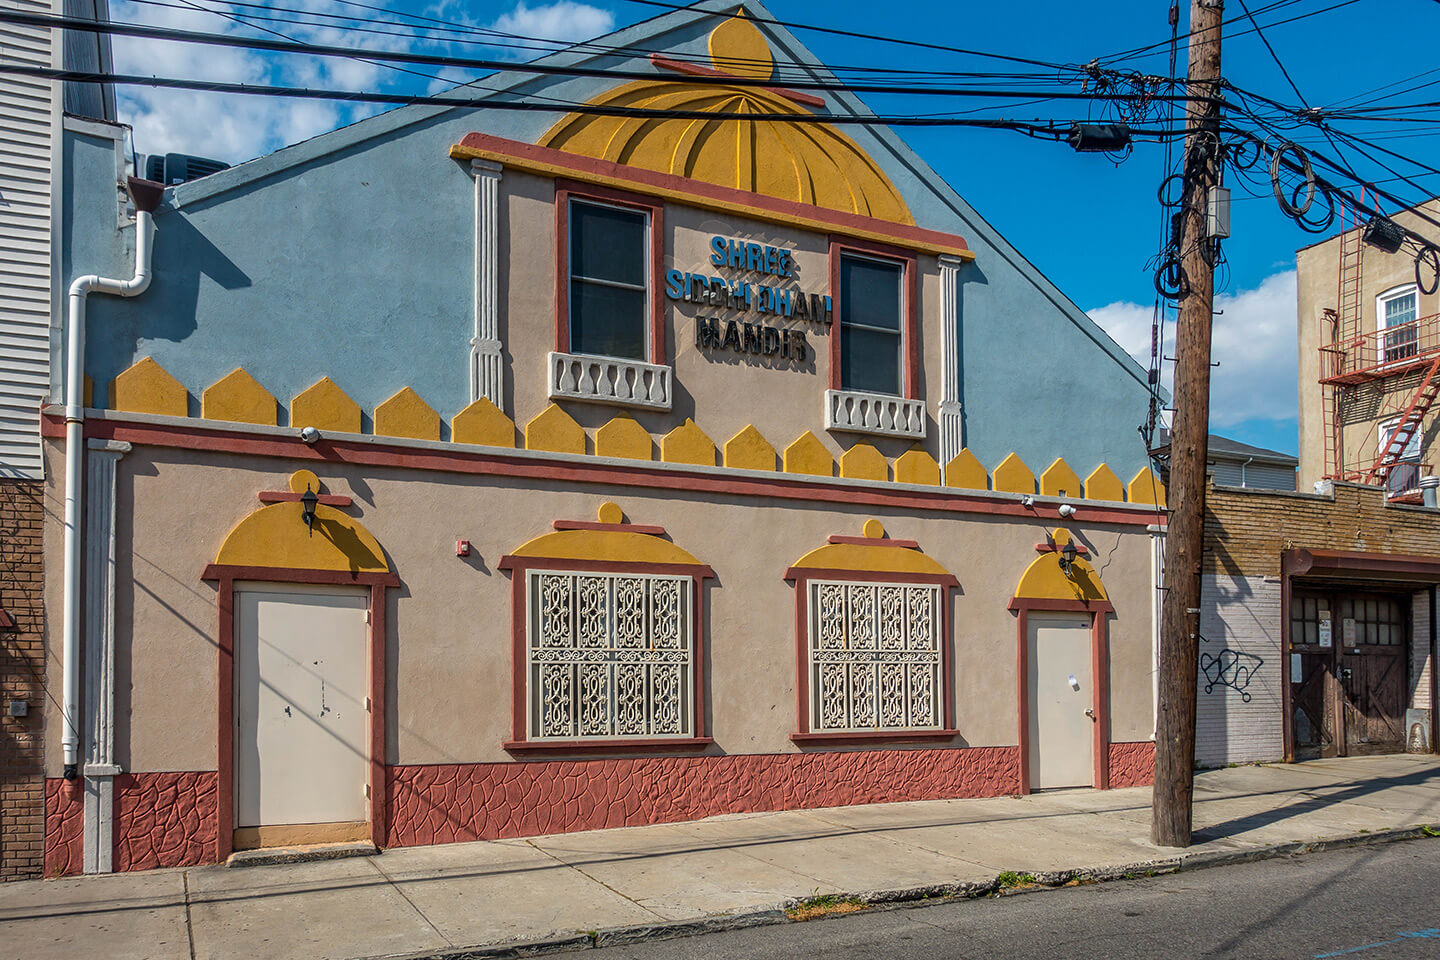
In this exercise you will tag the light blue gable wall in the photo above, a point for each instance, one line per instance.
(351, 256)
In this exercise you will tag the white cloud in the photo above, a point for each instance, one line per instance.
(236, 127)
(563, 21)
(1253, 338)
(229, 127)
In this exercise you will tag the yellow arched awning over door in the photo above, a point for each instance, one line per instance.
(276, 538)
(1046, 579)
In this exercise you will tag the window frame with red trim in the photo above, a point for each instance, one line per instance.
(523, 742)
(909, 359)
(568, 192)
(805, 735)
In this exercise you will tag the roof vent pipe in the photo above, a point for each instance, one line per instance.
(145, 194)
(1429, 488)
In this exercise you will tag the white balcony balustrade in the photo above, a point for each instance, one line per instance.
(856, 412)
(626, 383)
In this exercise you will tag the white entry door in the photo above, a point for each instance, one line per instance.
(1061, 690)
(301, 742)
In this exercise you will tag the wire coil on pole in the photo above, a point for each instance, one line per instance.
(1296, 210)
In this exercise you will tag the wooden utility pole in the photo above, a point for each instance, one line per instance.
(1180, 611)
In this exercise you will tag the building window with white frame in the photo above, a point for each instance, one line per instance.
(609, 282)
(872, 309)
(610, 655)
(875, 658)
(1396, 312)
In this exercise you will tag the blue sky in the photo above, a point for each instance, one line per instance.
(1089, 224)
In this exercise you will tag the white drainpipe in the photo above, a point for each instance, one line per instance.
(146, 196)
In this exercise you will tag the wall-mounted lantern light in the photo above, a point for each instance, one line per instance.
(1067, 558)
(308, 500)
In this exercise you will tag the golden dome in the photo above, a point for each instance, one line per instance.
(800, 161)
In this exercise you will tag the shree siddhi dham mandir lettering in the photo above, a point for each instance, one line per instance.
(749, 297)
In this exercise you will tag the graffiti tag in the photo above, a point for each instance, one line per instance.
(1230, 668)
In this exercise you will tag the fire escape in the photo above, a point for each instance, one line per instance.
(1389, 377)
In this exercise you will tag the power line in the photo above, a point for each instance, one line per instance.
(834, 31)
(495, 38)
(1320, 124)
(1052, 128)
(1155, 47)
(502, 38)
(329, 50)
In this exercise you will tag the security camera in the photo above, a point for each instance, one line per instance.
(1027, 501)
(310, 435)
(1067, 511)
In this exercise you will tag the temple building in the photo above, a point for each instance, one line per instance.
(475, 472)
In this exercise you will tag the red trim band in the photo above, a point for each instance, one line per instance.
(285, 496)
(869, 576)
(645, 528)
(1080, 548)
(548, 161)
(224, 571)
(463, 459)
(648, 745)
(873, 542)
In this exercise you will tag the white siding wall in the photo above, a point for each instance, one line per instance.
(1419, 697)
(1240, 647)
(1267, 476)
(27, 119)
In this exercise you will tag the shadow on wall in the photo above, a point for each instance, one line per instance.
(342, 535)
(183, 255)
(970, 273)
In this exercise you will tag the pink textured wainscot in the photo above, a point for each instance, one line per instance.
(64, 827)
(447, 803)
(165, 819)
(1132, 764)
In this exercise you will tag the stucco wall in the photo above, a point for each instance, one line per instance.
(353, 255)
(449, 621)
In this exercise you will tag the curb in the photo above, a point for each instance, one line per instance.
(913, 897)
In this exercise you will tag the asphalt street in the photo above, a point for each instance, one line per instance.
(1377, 902)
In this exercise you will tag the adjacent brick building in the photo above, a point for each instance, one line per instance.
(1316, 634)
(22, 680)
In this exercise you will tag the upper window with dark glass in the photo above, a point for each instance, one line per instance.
(609, 281)
(871, 303)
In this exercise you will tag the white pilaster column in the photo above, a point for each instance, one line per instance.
(99, 654)
(487, 368)
(952, 439)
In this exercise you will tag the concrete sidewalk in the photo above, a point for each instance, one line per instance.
(639, 881)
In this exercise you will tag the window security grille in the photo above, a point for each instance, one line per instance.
(874, 656)
(610, 655)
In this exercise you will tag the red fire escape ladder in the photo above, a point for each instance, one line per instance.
(1339, 328)
(1410, 421)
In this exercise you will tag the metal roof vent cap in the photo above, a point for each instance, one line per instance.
(1430, 488)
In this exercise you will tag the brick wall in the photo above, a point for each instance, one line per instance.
(22, 677)
(1246, 531)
